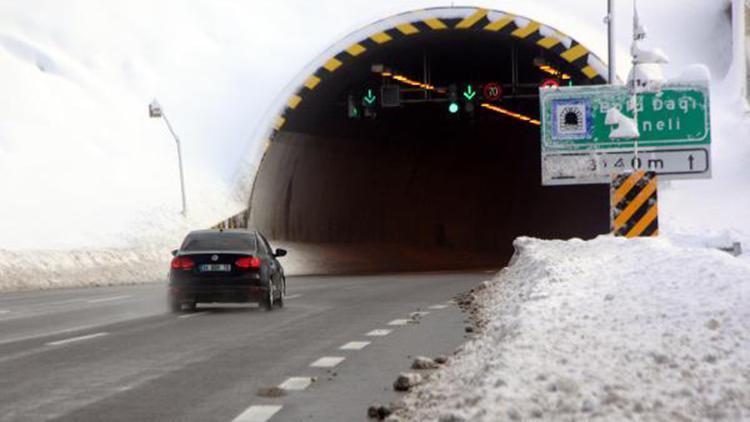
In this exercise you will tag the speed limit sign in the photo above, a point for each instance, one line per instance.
(492, 91)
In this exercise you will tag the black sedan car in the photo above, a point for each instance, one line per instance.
(226, 266)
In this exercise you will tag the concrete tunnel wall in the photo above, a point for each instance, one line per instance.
(449, 205)
(409, 191)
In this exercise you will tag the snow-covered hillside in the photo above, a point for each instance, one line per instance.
(82, 167)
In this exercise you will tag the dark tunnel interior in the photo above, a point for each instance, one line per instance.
(433, 190)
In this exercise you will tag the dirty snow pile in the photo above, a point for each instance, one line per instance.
(607, 329)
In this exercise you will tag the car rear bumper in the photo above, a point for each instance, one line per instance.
(217, 294)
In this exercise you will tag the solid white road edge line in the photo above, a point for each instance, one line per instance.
(74, 339)
(379, 332)
(327, 362)
(257, 413)
(108, 299)
(399, 322)
(194, 314)
(355, 345)
(296, 383)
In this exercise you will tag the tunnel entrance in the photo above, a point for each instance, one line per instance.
(417, 186)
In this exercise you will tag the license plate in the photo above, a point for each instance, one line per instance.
(215, 267)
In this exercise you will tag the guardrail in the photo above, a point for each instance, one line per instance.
(237, 221)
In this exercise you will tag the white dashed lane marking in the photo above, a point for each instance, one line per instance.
(257, 413)
(194, 314)
(399, 322)
(108, 299)
(76, 339)
(419, 314)
(59, 302)
(438, 306)
(327, 362)
(4, 311)
(290, 297)
(355, 345)
(379, 332)
(296, 383)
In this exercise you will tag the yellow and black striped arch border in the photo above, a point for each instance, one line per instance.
(419, 22)
(634, 204)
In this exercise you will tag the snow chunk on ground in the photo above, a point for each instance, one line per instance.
(607, 329)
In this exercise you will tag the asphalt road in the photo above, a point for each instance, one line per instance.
(115, 354)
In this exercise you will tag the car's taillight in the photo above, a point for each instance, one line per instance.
(182, 262)
(247, 263)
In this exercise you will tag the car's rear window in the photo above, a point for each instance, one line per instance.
(221, 241)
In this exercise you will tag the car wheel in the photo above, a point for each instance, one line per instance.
(268, 300)
(280, 299)
(175, 306)
(192, 306)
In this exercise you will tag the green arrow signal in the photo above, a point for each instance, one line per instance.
(370, 97)
(469, 94)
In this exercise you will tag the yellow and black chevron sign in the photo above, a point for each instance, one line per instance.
(490, 22)
(634, 204)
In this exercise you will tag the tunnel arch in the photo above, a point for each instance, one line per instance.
(494, 22)
(292, 200)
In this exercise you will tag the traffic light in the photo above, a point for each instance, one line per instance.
(469, 94)
(453, 106)
(352, 109)
(369, 99)
(370, 103)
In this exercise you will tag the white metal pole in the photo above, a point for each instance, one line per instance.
(611, 41)
(636, 24)
(739, 36)
(179, 160)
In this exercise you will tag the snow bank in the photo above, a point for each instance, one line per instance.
(31, 270)
(608, 329)
(139, 254)
(715, 208)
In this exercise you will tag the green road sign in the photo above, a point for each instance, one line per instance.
(673, 126)
(573, 118)
(469, 94)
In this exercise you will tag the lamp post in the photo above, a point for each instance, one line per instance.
(610, 19)
(155, 111)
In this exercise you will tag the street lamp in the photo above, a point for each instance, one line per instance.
(155, 111)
